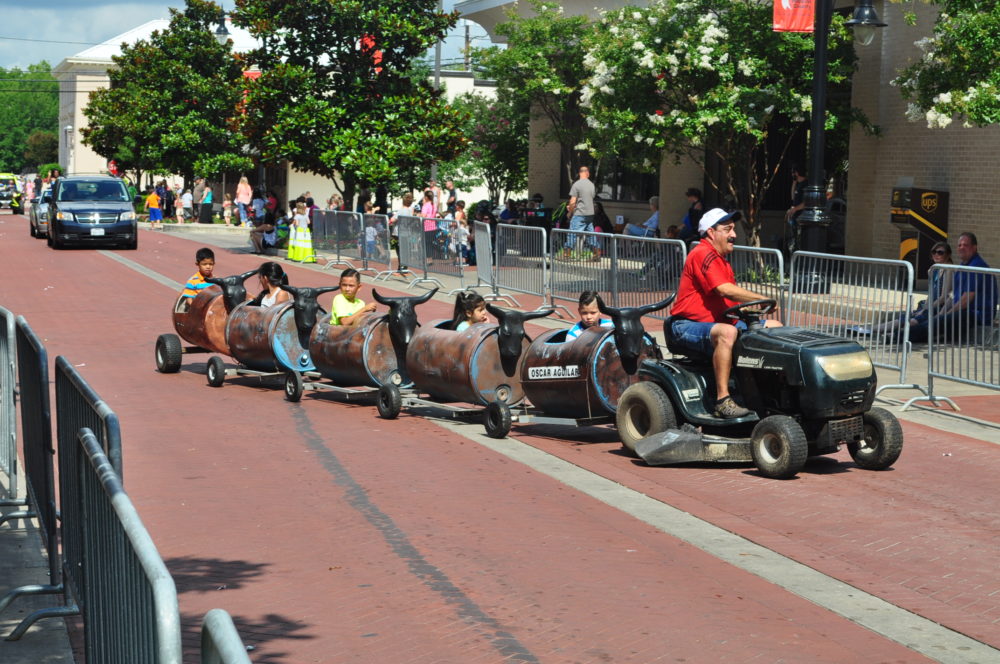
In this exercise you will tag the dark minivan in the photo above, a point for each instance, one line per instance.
(90, 210)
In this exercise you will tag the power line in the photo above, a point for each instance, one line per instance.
(51, 41)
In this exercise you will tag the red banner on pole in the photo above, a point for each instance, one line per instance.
(794, 15)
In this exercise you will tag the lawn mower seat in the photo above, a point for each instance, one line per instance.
(678, 350)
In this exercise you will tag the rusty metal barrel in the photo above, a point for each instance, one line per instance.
(359, 354)
(462, 366)
(201, 320)
(579, 378)
(266, 339)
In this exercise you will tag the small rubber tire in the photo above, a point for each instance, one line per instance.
(215, 372)
(294, 386)
(497, 419)
(389, 402)
(48, 238)
(644, 409)
(885, 441)
(168, 353)
(131, 246)
(779, 447)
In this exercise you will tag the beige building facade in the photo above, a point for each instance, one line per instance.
(956, 159)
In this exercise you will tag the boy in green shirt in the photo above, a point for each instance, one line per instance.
(347, 308)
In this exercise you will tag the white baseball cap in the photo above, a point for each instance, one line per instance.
(713, 217)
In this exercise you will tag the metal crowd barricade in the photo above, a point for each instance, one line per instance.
(645, 270)
(962, 345)
(486, 275)
(521, 260)
(377, 248)
(414, 248)
(8, 410)
(220, 642)
(762, 271)
(444, 254)
(36, 445)
(581, 261)
(865, 298)
(129, 601)
(350, 229)
(324, 237)
(78, 406)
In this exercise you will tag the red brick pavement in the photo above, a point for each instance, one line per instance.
(334, 536)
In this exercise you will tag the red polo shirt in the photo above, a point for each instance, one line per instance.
(704, 270)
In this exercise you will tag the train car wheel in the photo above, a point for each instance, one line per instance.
(168, 353)
(390, 402)
(293, 386)
(497, 420)
(215, 372)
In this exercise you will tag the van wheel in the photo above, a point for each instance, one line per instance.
(496, 419)
(779, 447)
(168, 353)
(644, 409)
(883, 438)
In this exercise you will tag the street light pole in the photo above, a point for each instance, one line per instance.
(814, 220)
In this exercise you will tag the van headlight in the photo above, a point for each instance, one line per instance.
(65, 216)
(127, 216)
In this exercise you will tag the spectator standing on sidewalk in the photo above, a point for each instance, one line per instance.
(581, 210)
(187, 204)
(973, 301)
(696, 208)
(198, 193)
(450, 196)
(244, 195)
(205, 209)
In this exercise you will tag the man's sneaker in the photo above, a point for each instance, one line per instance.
(729, 409)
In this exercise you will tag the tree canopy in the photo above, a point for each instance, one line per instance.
(957, 75)
(542, 68)
(338, 96)
(702, 80)
(173, 101)
(29, 103)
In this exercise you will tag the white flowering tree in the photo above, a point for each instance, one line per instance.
(958, 75)
(708, 80)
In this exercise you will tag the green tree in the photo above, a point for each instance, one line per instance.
(29, 102)
(41, 147)
(173, 101)
(338, 95)
(498, 149)
(542, 67)
(703, 80)
(957, 76)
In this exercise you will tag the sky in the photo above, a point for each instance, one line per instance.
(34, 31)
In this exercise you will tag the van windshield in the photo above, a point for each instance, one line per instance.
(93, 190)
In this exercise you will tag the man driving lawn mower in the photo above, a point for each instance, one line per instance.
(707, 288)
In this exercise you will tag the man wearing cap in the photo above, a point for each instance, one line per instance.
(708, 287)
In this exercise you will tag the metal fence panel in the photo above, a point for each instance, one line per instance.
(445, 254)
(416, 247)
(521, 259)
(350, 233)
(483, 243)
(324, 236)
(129, 607)
(8, 411)
(963, 345)
(78, 406)
(762, 271)
(864, 298)
(377, 249)
(581, 261)
(645, 270)
(220, 642)
(36, 446)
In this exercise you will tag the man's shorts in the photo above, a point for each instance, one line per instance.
(155, 214)
(695, 336)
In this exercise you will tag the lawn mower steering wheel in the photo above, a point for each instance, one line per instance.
(741, 311)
